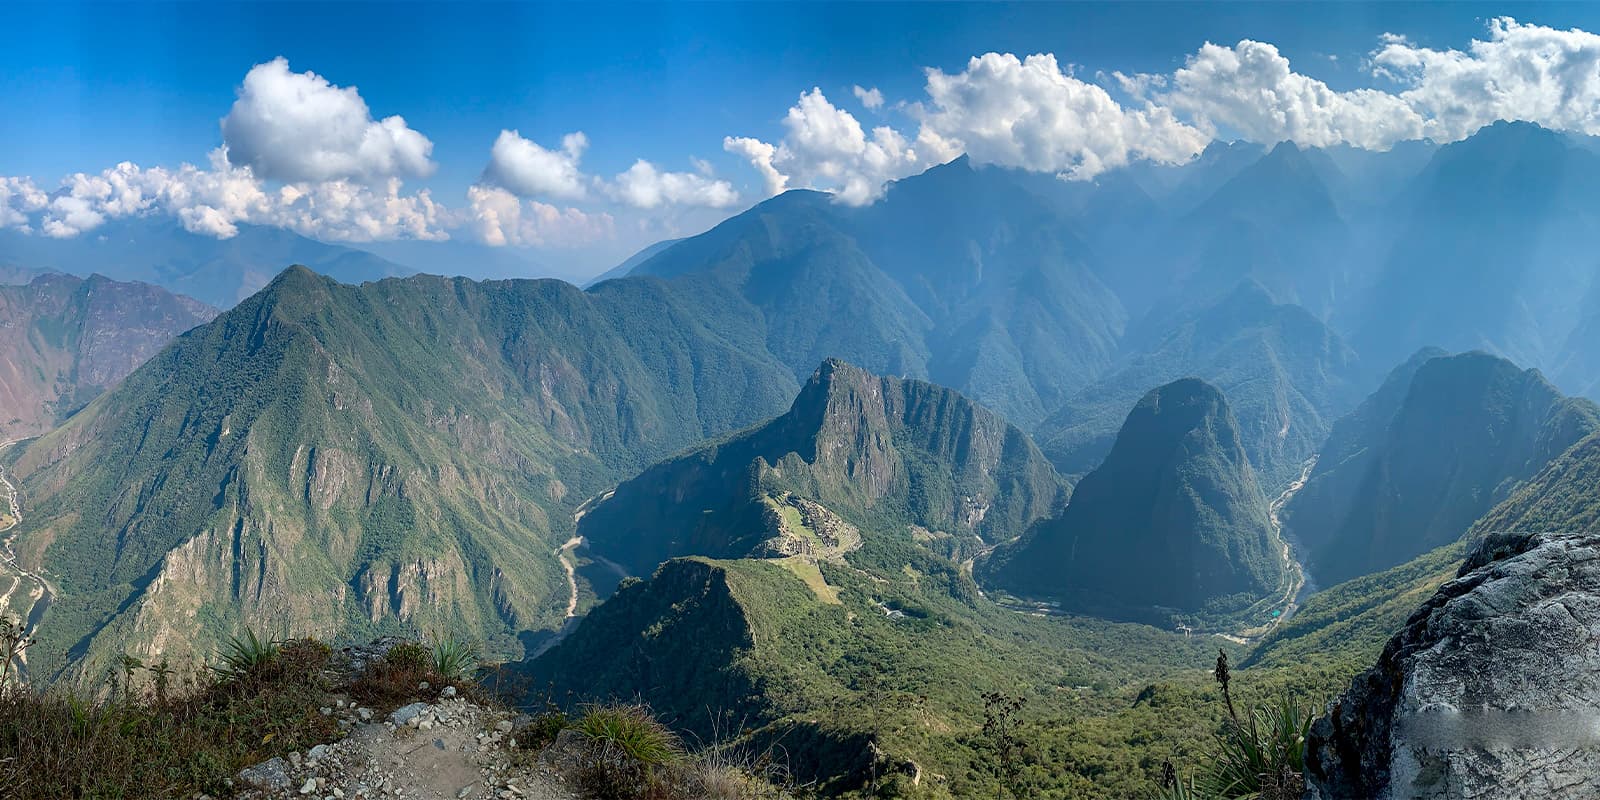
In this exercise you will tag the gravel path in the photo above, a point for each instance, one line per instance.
(448, 750)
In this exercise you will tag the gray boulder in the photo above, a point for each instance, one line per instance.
(1492, 689)
(268, 776)
(404, 715)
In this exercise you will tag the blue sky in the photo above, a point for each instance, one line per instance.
(87, 86)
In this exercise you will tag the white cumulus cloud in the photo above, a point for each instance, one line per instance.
(19, 200)
(1521, 72)
(825, 147)
(1027, 113)
(297, 126)
(529, 170)
(1032, 114)
(216, 201)
(871, 99)
(645, 186)
(500, 218)
(1251, 89)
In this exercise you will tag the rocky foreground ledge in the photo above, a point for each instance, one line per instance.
(1492, 689)
(447, 748)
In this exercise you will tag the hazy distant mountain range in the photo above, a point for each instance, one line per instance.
(63, 340)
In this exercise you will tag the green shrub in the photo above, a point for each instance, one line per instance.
(543, 729)
(396, 679)
(409, 656)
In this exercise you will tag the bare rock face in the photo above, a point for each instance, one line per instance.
(1492, 690)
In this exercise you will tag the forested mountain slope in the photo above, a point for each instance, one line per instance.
(334, 458)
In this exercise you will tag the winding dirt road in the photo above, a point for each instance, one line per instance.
(36, 591)
(567, 563)
(1297, 572)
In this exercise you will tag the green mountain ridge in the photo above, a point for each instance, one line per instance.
(1285, 373)
(339, 459)
(880, 685)
(1344, 627)
(853, 450)
(957, 276)
(1275, 222)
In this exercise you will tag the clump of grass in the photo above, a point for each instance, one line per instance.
(627, 751)
(735, 771)
(163, 734)
(633, 731)
(629, 755)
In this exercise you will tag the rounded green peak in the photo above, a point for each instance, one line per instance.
(297, 274)
(1182, 393)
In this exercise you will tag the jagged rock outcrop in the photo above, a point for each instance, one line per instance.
(1492, 689)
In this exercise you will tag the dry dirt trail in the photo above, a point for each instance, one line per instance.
(449, 749)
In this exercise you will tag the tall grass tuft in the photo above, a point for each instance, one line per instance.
(633, 732)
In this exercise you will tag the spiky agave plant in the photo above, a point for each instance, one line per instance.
(1263, 755)
(1181, 789)
(454, 658)
(246, 654)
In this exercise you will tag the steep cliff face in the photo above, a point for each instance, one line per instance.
(1491, 690)
(1347, 457)
(64, 340)
(1172, 522)
(892, 452)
